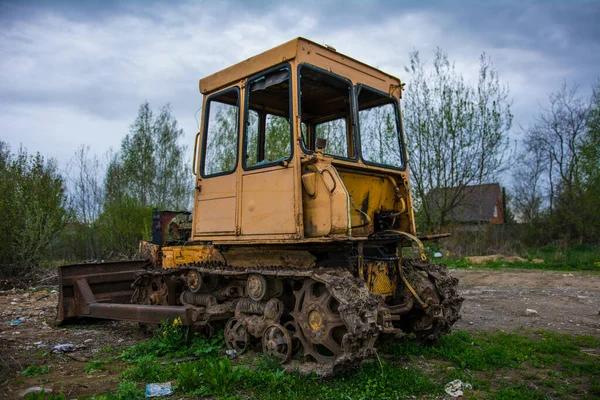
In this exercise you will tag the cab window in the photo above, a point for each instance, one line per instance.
(221, 133)
(379, 129)
(268, 129)
(326, 110)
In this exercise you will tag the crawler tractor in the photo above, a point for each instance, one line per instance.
(302, 207)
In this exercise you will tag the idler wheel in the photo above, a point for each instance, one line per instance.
(236, 336)
(194, 281)
(276, 341)
(158, 291)
(256, 287)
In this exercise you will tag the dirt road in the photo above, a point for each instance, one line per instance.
(564, 302)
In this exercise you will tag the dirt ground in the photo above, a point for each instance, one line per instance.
(563, 302)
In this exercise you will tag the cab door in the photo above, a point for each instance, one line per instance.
(268, 177)
(215, 208)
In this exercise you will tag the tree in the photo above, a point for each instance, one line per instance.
(149, 172)
(528, 183)
(86, 198)
(32, 200)
(154, 172)
(564, 133)
(457, 133)
(590, 144)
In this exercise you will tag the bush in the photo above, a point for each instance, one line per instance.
(33, 204)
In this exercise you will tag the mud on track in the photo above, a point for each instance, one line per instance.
(565, 302)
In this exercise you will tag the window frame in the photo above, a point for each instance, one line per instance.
(261, 115)
(400, 128)
(235, 89)
(353, 121)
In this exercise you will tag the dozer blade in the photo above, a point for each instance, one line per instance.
(104, 290)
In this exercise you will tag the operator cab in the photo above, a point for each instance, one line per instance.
(300, 143)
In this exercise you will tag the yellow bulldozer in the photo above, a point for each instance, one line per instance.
(302, 208)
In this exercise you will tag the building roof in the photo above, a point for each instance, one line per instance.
(476, 203)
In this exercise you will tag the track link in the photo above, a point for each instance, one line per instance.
(430, 325)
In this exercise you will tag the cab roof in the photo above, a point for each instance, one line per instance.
(295, 48)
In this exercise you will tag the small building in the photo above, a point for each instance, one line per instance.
(476, 204)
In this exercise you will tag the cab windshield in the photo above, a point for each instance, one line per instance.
(326, 110)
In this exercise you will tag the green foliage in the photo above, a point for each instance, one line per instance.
(558, 182)
(147, 369)
(95, 365)
(370, 381)
(171, 340)
(33, 204)
(107, 350)
(556, 258)
(518, 392)
(152, 162)
(189, 376)
(220, 376)
(491, 351)
(149, 172)
(45, 396)
(129, 390)
(35, 370)
(457, 133)
(122, 225)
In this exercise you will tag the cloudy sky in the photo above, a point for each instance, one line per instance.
(75, 72)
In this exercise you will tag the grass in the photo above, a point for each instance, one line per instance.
(35, 370)
(556, 258)
(522, 365)
(538, 364)
(95, 365)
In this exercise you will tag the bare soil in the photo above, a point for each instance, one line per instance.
(564, 302)
(31, 342)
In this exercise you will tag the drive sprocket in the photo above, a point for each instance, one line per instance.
(336, 316)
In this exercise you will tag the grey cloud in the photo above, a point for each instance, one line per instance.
(95, 62)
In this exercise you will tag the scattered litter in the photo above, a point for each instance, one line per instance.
(88, 340)
(456, 388)
(231, 354)
(63, 348)
(437, 255)
(36, 389)
(13, 303)
(590, 352)
(53, 291)
(159, 389)
(178, 360)
(42, 297)
(15, 321)
(531, 312)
